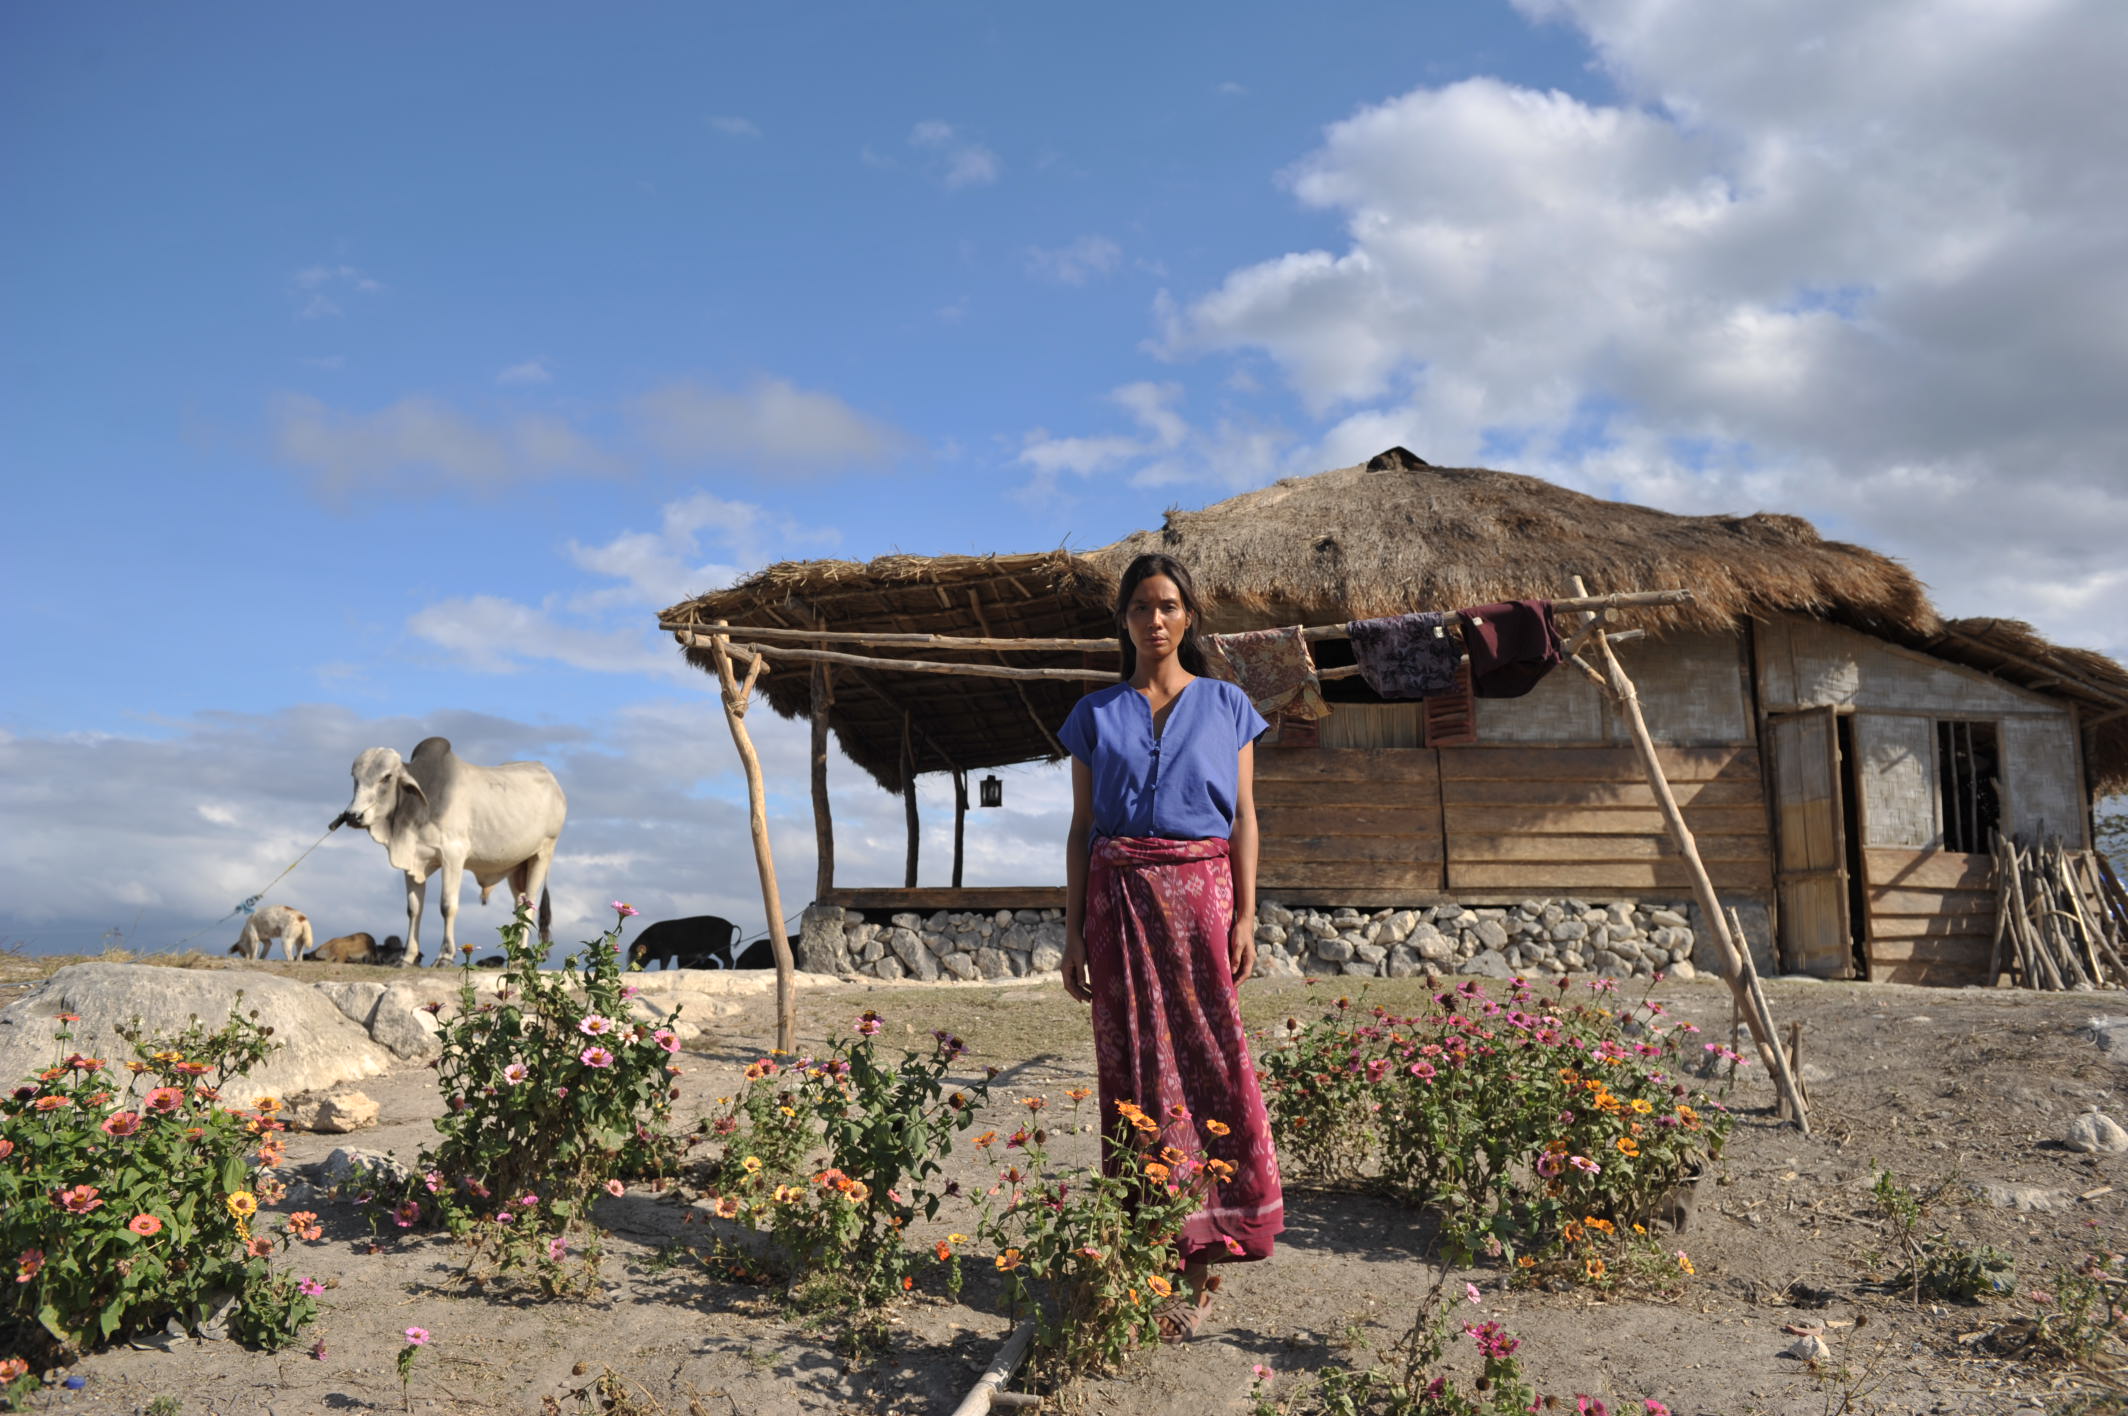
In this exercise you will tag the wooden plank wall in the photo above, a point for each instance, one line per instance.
(1931, 916)
(1583, 820)
(1349, 824)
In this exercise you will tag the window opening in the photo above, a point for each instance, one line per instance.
(1968, 784)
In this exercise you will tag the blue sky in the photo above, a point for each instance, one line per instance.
(370, 371)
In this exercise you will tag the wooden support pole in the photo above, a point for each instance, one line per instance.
(960, 820)
(908, 799)
(779, 942)
(823, 817)
(1742, 976)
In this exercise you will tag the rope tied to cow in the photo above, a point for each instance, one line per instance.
(250, 903)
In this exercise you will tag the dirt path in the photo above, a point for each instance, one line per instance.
(1933, 1084)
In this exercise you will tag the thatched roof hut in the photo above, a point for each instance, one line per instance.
(1390, 535)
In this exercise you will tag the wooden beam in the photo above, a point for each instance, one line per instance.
(779, 942)
(960, 820)
(823, 696)
(2107, 696)
(908, 798)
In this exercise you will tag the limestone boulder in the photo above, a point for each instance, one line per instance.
(318, 1045)
(333, 1113)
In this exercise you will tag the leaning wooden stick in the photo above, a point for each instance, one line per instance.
(1737, 954)
(735, 704)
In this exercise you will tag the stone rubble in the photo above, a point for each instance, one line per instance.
(1623, 939)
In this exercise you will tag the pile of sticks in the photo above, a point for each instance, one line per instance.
(2061, 918)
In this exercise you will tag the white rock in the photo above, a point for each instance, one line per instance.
(1045, 959)
(412, 1033)
(2094, 1131)
(1808, 1348)
(961, 966)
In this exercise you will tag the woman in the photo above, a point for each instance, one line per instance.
(1159, 920)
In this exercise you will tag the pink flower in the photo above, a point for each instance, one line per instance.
(556, 1248)
(667, 1039)
(1470, 1292)
(616, 1188)
(417, 1336)
(528, 1199)
(595, 1057)
(629, 992)
(309, 1287)
(1261, 1372)
(595, 1026)
(869, 1024)
(1656, 1408)
(1583, 1164)
(623, 910)
(1422, 1069)
(1590, 1406)
(516, 1073)
(121, 1123)
(163, 1099)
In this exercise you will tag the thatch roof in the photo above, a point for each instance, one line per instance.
(1394, 534)
(964, 722)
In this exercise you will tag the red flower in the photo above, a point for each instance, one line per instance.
(27, 1263)
(77, 1199)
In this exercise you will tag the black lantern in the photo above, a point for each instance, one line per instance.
(993, 791)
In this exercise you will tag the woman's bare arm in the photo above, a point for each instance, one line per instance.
(1241, 857)
(1076, 982)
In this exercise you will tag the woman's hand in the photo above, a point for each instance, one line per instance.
(1241, 949)
(1076, 981)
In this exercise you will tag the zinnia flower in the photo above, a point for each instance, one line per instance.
(121, 1123)
(625, 911)
(242, 1203)
(556, 1248)
(868, 1023)
(53, 1103)
(163, 1099)
(309, 1287)
(27, 1264)
(595, 1025)
(667, 1039)
(595, 1057)
(417, 1337)
(1008, 1260)
(616, 1189)
(751, 1165)
(943, 1250)
(727, 1207)
(145, 1225)
(304, 1225)
(516, 1073)
(1160, 1285)
(13, 1369)
(77, 1199)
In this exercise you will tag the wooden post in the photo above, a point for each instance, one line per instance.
(735, 704)
(908, 799)
(960, 820)
(823, 818)
(1741, 975)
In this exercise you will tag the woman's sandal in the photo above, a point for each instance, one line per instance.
(1181, 1316)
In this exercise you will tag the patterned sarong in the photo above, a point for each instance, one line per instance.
(1168, 1034)
(1406, 656)
(1272, 666)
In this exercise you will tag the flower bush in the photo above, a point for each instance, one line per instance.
(130, 1195)
(552, 1091)
(834, 1155)
(1513, 1117)
(1092, 1255)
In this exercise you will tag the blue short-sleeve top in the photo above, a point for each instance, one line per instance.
(1182, 783)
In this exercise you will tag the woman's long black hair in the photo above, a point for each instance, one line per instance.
(1144, 568)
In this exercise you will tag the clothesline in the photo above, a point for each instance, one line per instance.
(1625, 600)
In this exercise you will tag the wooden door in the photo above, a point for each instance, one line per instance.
(1810, 847)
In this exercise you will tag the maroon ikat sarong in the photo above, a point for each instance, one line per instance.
(1167, 1030)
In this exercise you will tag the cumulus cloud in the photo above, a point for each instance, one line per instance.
(1077, 263)
(952, 159)
(531, 371)
(423, 444)
(1861, 263)
(160, 835)
(773, 422)
(320, 288)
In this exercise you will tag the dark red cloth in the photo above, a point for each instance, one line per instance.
(1512, 646)
(1167, 1030)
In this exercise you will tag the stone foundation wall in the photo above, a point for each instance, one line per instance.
(1619, 939)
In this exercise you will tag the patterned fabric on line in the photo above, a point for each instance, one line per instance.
(1406, 656)
(1168, 1036)
(1272, 666)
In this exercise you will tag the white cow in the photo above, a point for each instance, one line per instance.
(290, 926)
(436, 815)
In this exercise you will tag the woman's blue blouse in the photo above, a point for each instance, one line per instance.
(1182, 783)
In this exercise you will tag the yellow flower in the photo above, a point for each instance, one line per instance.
(1572, 1232)
(727, 1207)
(1526, 1262)
(243, 1204)
(1684, 1262)
(858, 1191)
(1628, 1146)
(1642, 1107)
(1008, 1260)
(751, 1165)
(1217, 1128)
(1594, 1268)
(956, 1238)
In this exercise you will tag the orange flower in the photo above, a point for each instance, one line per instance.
(1078, 1093)
(145, 1225)
(943, 1250)
(727, 1207)
(304, 1225)
(907, 1283)
(1008, 1261)
(1217, 1128)
(13, 1368)
(1628, 1146)
(1172, 1156)
(1594, 1268)
(1603, 1225)
(988, 1138)
(857, 1191)
(1572, 1232)
(1526, 1262)
(1158, 1171)
(1220, 1170)
(1160, 1285)
(53, 1103)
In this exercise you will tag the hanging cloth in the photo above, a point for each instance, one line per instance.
(1512, 646)
(1272, 666)
(1406, 656)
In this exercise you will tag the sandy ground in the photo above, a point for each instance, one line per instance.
(1935, 1084)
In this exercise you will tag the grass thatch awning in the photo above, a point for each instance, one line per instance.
(1389, 536)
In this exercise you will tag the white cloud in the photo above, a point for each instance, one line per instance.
(1861, 263)
(490, 634)
(954, 160)
(1077, 263)
(423, 444)
(733, 126)
(531, 371)
(320, 288)
(1229, 89)
(210, 810)
(772, 422)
